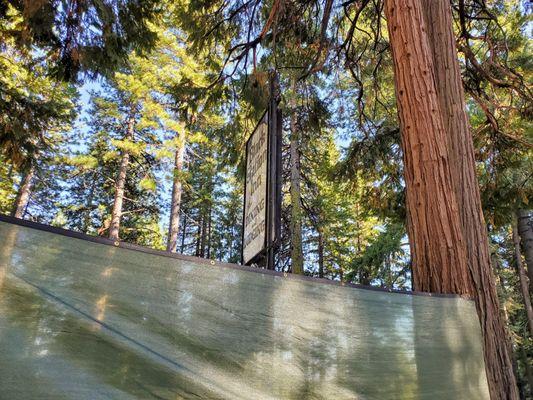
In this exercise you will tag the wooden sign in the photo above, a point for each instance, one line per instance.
(256, 192)
(262, 190)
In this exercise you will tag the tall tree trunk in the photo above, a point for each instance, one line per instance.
(525, 230)
(499, 280)
(528, 370)
(89, 205)
(23, 194)
(501, 283)
(209, 205)
(295, 193)
(203, 236)
(448, 243)
(208, 251)
(175, 204)
(120, 183)
(183, 234)
(522, 277)
(320, 253)
(437, 246)
(497, 345)
(200, 224)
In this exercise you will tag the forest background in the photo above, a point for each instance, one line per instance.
(129, 119)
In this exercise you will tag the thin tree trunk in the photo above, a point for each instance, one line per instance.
(525, 230)
(445, 223)
(175, 204)
(119, 186)
(522, 278)
(199, 235)
(23, 194)
(528, 369)
(183, 234)
(296, 205)
(501, 283)
(203, 236)
(208, 251)
(89, 205)
(320, 254)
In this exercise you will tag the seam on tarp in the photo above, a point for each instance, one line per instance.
(101, 323)
(204, 261)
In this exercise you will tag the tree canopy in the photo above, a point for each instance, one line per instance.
(128, 119)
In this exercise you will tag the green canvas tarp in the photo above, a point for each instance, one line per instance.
(81, 318)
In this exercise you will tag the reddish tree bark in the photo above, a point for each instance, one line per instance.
(445, 222)
(498, 352)
(437, 246)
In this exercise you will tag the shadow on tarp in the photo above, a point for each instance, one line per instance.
(82, 320)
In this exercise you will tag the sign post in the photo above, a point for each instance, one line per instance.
(262, 192)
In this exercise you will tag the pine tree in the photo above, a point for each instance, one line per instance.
(81, 36)
(34, 108)
(98, 172)
(7, 186)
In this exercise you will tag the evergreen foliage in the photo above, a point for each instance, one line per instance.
(91, 36)
(180, 87)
